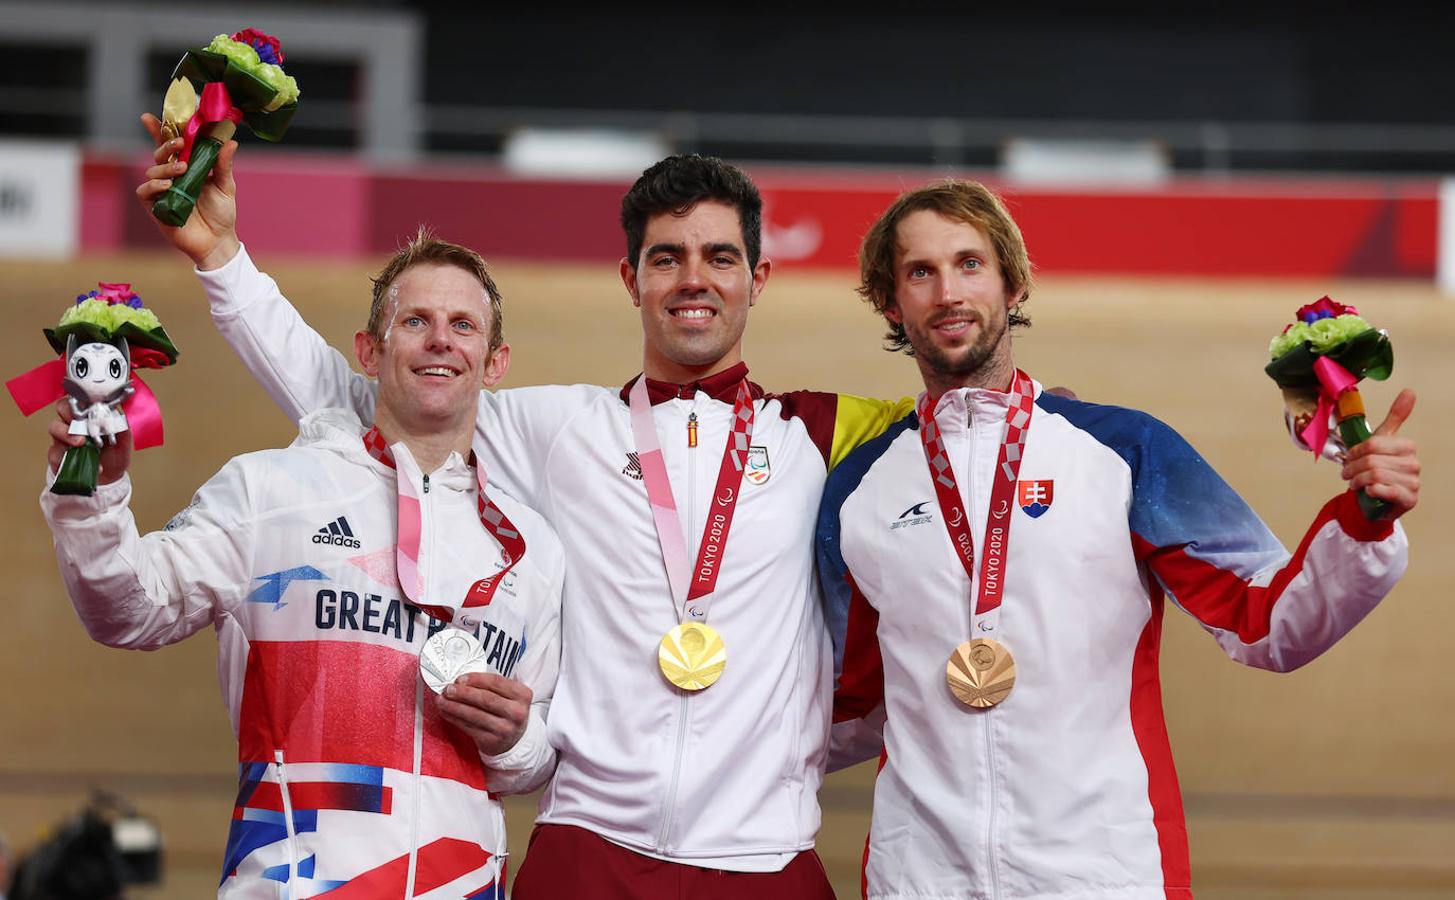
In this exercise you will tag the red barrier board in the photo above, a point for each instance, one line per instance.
(1240, 228)
(1237, 227)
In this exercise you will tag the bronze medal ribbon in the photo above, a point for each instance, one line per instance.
(997, 522)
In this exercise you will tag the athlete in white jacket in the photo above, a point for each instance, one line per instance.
(354, 778)
(718, 786)
(1036, 764)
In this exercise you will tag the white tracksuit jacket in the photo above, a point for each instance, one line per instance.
(1066, 789)
(349, 779)
(724, 778)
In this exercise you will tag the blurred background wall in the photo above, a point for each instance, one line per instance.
(1185, 178)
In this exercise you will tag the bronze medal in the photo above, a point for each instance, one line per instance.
(692, 656)
(981, 673)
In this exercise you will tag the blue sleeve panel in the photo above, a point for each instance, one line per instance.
(1177, 498)
(832, 571)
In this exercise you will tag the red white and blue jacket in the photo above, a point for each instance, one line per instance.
(1066, 788)
(350, 783)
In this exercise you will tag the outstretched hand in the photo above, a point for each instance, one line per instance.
(209, 236)
(115, 457)
(1385, 465)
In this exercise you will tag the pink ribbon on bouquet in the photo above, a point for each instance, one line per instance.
(214, 105)
(41, 387)
(1334, 380)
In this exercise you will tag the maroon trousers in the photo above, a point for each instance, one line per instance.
(564, 861)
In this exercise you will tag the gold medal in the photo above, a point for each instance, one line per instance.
(692, 656)
(981, 673)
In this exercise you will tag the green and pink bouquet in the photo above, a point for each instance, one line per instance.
(231, 80)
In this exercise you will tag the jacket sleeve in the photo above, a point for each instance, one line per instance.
(857, 730)
(859, 420)
(1266, 607)
(146, 592)
(532, 760)
(292, 362)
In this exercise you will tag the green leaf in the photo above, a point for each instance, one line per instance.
(1366, 355)
(270, 125)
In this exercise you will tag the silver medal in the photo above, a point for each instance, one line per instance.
(447, 655)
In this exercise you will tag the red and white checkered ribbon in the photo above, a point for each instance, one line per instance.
(411, 531)
(692, 586)
(991, 579)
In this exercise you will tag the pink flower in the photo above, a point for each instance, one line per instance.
(1323, 308)
(269, 50)
(115, 292)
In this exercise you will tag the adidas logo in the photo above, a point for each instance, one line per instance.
(633, 467)
(337, 533)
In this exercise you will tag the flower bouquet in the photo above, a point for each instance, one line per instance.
(1318, 361)
(240, 79)
(102, 338)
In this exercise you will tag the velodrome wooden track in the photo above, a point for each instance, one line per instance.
(1335, 781)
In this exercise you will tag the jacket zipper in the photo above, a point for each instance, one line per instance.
(282, 773)
(986, 713)
(418, 787)
(682, 711)
(418, 728)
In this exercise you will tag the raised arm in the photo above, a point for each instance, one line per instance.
(145, 592)
(294, 364)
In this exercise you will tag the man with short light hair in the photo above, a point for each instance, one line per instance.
(997, 565)
(345, 577)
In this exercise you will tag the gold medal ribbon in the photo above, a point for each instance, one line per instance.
(692, 655)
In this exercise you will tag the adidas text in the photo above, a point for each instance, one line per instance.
(336, 540)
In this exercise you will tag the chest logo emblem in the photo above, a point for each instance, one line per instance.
(915, 515)
(633, 467)
(1035, 497)
(758, 470)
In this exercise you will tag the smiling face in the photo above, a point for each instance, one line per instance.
(434, 355)
(951, 298)
(694, 286)
(99, 369)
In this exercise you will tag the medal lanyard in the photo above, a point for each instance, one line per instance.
(691, 600)
(997, 521)
(406, 553)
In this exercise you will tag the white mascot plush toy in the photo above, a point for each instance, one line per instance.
(98, 381)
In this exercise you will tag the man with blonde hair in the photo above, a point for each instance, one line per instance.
(997, 565)
(343, 577)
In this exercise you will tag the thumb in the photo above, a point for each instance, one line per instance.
(1399, 411)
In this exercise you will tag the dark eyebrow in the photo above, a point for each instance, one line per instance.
(734, 249)
(653, 250)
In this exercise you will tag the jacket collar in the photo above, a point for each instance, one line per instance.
(721, 386)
